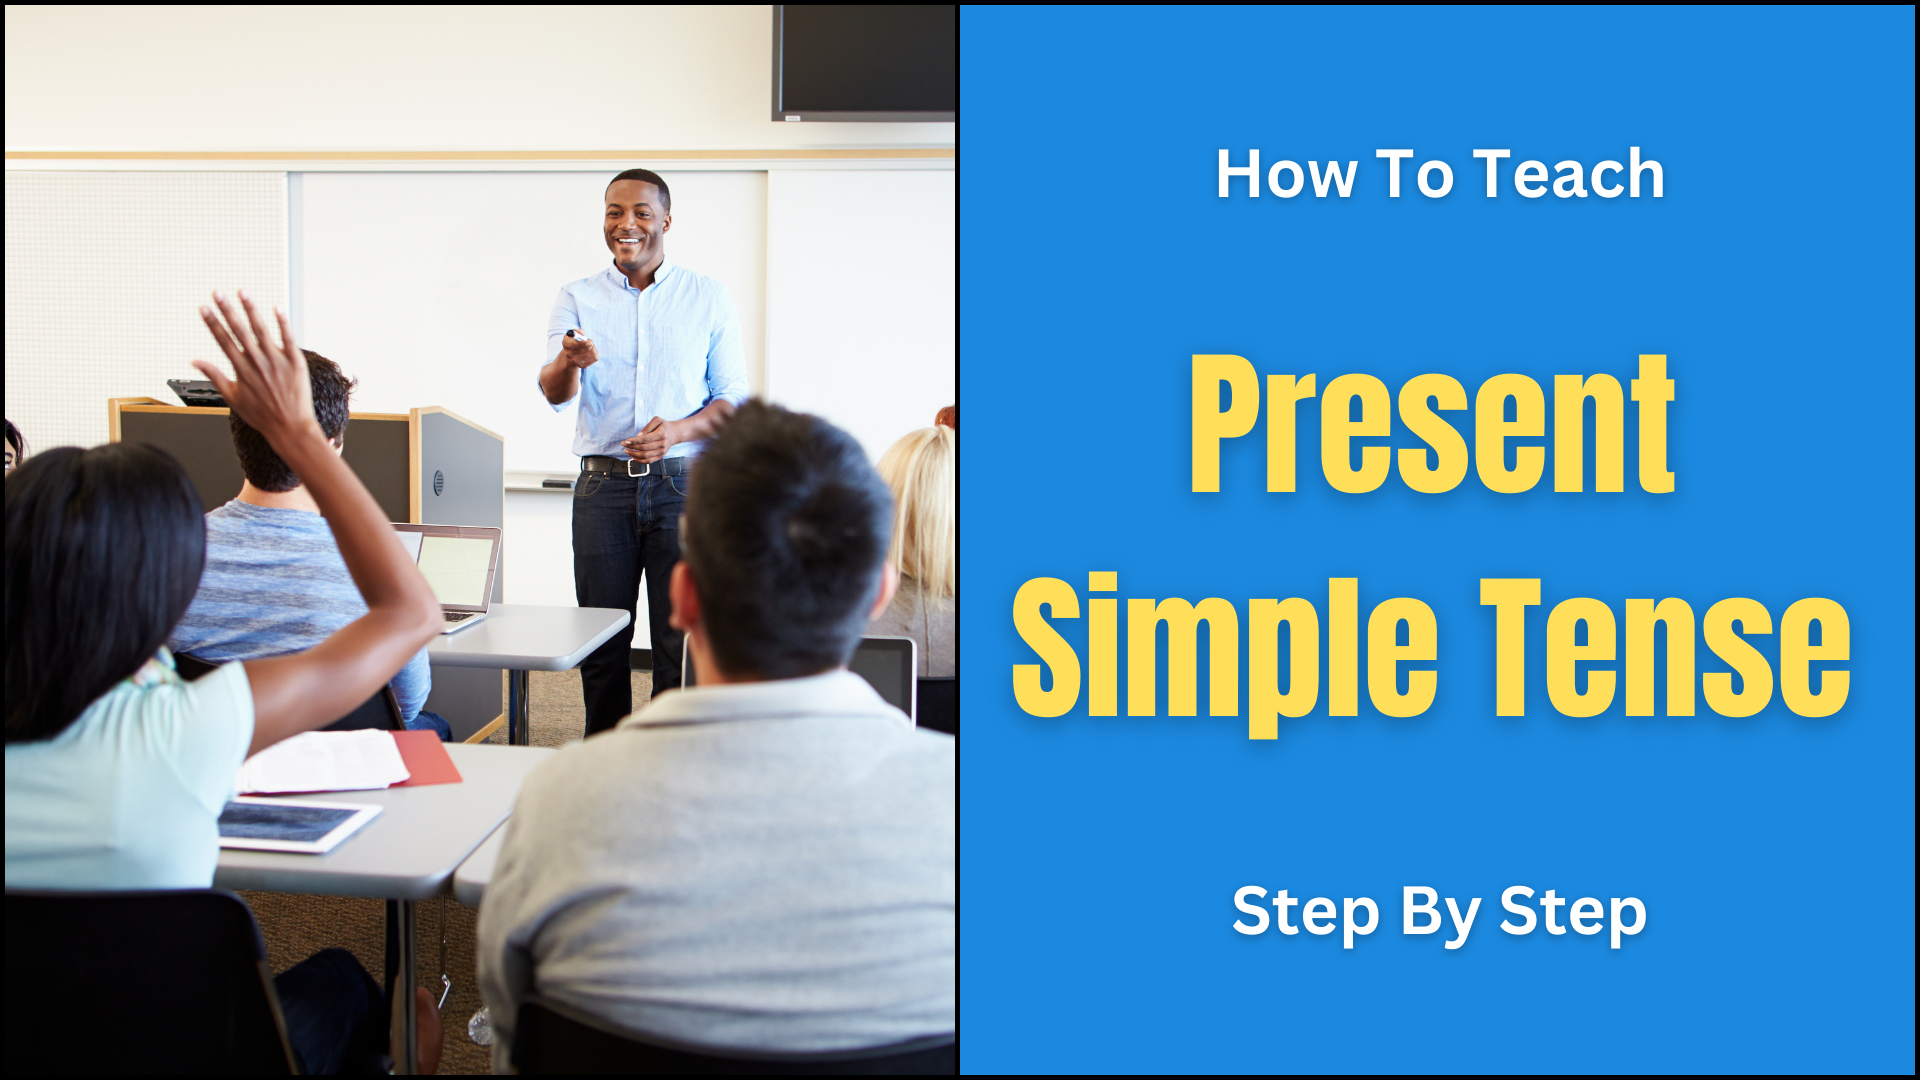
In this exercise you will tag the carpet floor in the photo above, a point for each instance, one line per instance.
(298, 926)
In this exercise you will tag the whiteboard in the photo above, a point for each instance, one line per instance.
(435, 288)
(860, 308)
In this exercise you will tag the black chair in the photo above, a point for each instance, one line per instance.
(551, 1039)
(381, 711)
(191, 667)
(937, 705)
(140, 982)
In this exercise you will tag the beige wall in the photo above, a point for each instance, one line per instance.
(393, 78)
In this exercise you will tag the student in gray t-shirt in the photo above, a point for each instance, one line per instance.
(274, 581)
(764, 862)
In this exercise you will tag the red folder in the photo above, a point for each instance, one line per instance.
(426, 759)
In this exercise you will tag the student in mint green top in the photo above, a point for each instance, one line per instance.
(116, 769)
(126, 796)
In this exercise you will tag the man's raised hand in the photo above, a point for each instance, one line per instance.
(270, 388)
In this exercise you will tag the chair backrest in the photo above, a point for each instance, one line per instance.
(139, 982)
(381, 711)
(191, 667)
(551, 1039)
(939, 703)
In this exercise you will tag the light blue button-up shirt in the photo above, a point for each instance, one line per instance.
(668, 350)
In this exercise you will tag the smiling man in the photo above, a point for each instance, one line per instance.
(652, 352)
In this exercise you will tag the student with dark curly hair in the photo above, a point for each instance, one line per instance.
(274, 582)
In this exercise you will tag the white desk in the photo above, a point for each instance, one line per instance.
(523, 638)
(407, 854)
(411, 850)
(471, 880)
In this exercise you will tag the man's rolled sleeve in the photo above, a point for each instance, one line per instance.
(565, 317)
(726, 358)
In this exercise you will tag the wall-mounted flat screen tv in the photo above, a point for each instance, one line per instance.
(865, 62)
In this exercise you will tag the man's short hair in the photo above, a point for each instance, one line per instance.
(331, 389)
(648, 176)
(787, 529)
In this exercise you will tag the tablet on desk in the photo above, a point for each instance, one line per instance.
(297, 825)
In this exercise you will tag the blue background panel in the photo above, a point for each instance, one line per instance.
(1099, 856)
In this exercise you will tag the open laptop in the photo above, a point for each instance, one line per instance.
(887, 663)
(459, 562)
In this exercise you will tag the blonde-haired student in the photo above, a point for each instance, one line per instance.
(919, 469)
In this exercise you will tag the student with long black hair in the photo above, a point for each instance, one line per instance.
(116, 768)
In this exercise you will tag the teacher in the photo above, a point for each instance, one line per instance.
(652, 353)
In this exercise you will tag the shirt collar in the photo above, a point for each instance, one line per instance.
(836, 693)
(620, 279)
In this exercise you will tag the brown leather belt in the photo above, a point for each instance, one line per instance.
(597, 463)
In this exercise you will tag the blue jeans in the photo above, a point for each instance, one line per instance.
(434, 722)
(336, 1014)
(626, 529)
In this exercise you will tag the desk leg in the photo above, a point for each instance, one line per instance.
(403, 932)
(519, 712)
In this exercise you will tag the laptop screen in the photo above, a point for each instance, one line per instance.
(887, 663)
(456, 567)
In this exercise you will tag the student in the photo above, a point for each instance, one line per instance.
(116, 769)
(919, 469)
(16, 446)
(763, 862)
(274, 582)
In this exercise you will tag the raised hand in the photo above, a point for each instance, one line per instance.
(270, 388)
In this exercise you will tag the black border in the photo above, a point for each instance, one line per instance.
(844, 116)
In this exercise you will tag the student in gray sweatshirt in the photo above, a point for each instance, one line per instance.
(764, 862)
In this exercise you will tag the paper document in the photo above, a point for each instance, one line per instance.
(325, 761)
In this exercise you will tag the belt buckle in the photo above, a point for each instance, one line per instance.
(645, 468)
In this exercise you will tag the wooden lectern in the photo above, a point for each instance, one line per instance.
(427, 466)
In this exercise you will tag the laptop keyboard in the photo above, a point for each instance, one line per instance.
(458, 616)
